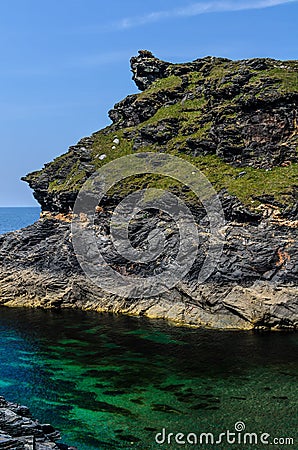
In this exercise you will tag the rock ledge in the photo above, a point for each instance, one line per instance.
(19, 431)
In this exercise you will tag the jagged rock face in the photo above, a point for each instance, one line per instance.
(256, 128)
(243, 112)
(266, 131)
(254, 284)
(77, 160)
(237, 122)
(18, 431)
(146, 69)
(129, 112)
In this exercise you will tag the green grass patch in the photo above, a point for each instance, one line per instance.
(164, 84)
(286, 80)
(73, 181)
(255, 182)
(190, 113)
(186, 110)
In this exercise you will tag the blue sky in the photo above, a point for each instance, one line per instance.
(64, 63)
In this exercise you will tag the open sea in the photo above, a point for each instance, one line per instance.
(14, 218)
(112, 382)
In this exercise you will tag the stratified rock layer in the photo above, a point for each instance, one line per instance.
(19, 431)
(254, 285)
(237, 122)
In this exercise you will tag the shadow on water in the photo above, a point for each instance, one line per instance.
(113, 382)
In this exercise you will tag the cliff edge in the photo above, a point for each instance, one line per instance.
(236, 121)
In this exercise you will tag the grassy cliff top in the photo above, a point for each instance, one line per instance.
(235, 120)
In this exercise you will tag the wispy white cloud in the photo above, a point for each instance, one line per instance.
(196, 9)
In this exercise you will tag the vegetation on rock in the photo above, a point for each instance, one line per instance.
(235, 120)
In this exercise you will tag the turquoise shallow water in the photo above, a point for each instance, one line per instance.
(114, 382)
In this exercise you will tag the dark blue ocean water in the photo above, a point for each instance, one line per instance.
(14, 218)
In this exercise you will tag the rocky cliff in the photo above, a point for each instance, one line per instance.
(19, 431)
(236, 121)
